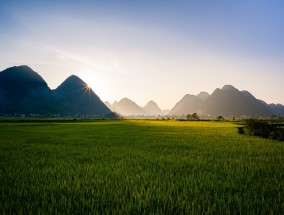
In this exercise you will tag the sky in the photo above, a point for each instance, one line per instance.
(149, 49)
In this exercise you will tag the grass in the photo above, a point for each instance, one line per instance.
(138, 167)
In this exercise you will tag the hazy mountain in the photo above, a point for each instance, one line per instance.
(229, 102)
(165, 112)
(78, 98)
(22, 90)
(188, 104)
(127, 107)
(278, 109)
(267, 106)
(151, 108)
(108, 105)
(262, 105)
(203, 95)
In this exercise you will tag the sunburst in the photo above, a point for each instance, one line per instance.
(87, 88)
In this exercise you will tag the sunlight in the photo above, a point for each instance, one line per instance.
(96, 82)
(87, 88)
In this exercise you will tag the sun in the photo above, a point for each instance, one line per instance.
(87, 88)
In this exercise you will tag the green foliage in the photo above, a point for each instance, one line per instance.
(261, 128)
(188, 116)
(220, 118)
(138, 167)
(193, 117)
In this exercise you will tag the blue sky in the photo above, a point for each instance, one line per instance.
(146, 50)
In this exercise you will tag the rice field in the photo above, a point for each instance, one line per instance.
(138, 167)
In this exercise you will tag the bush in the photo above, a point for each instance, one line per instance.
(260, 128)
(241, 130)
(193, 117)
(220, 118)
(277, 134)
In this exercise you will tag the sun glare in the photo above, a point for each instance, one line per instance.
(87, 88)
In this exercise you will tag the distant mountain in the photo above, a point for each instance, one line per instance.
(151, 108)
(165, 112)
(203, 95)
(23, 91)
(278, 109)
(127, 107)
(262, 105)
(108, 105)
(188, 104)
(230, 102)
(78, 98)
(227, 102)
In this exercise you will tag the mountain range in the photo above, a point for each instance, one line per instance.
(23, 91)
(127, 107)
(228, 102)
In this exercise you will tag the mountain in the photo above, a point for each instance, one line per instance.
(262, 105)
(278, 109)
(108, 105)
(127, 107)
(165, 112)
(203, 95)
(22, 90)
(230, 102)
(78, 98)
(188, 104)
(151, 108)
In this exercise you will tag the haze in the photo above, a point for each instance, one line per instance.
(149, 50)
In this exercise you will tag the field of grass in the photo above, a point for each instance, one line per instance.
(138, 167)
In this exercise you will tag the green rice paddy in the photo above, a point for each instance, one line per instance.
(138, 167)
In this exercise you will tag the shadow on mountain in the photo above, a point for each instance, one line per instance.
(23, 91)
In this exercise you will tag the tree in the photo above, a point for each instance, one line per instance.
(194, 116)
(188, 116)
(220, 118)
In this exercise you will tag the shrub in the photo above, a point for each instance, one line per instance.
(261, 128)
(220, 118)
(193, 117)
(241, 130)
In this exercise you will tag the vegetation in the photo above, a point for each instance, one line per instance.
(193, 117)
(138, 167)
(220, 118)
(264, 129)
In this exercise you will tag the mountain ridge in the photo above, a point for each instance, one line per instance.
(22, 90)
(227, 101)
(127, 107)
(152, 109)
